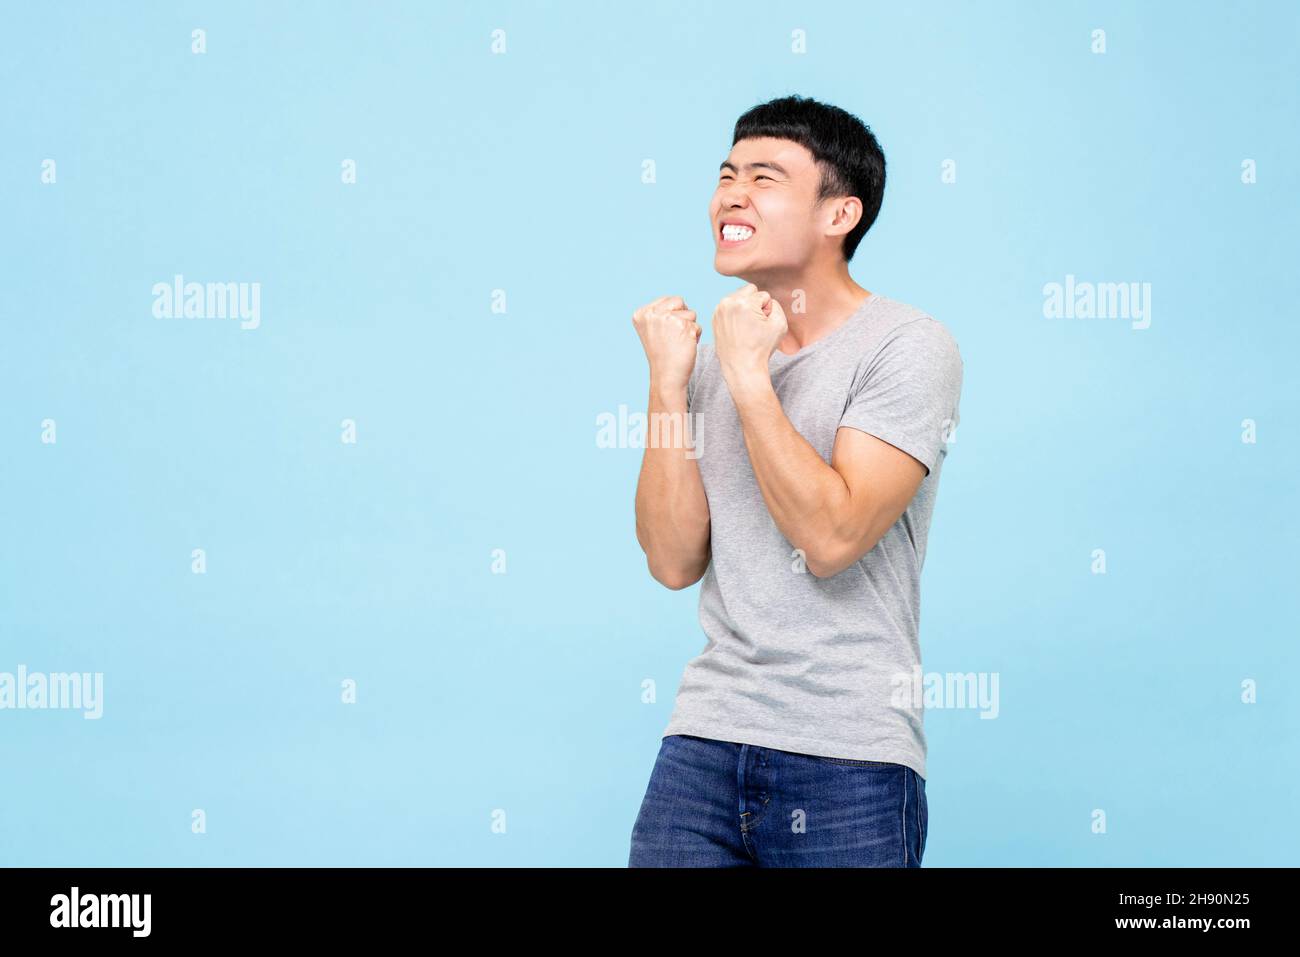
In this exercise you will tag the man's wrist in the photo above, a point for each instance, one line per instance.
(667, 391)
(748, 384)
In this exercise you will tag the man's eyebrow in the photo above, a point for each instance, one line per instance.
(727, 164)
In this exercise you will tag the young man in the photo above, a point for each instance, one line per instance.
(821, 415)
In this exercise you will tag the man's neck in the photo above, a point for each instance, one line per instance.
(815, 304)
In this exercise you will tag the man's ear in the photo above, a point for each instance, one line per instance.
(847, 213)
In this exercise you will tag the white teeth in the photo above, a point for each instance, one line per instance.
(736, 233)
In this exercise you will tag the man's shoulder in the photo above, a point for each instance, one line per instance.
(911, 327)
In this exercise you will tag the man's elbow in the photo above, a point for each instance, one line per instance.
(821, 567)
(675, 578)
(830, 559)
(677, 584)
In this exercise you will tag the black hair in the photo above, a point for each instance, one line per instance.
(846, 151)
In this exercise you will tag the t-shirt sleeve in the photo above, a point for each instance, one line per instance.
(908, 393)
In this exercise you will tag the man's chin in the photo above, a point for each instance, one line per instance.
(726, 266)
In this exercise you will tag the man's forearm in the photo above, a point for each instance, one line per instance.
(672, 511)
(804, 495)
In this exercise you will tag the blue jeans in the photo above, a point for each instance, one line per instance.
(719, 804)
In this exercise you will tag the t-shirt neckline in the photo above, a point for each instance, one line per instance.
(863, 308)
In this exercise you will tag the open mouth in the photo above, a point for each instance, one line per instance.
(732, 234)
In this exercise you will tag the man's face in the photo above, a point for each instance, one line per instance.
(770, 186)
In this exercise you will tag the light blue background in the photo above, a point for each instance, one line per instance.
(477, 430)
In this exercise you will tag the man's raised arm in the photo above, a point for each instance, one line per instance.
(672, 512)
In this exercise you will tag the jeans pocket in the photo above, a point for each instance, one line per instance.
(854, 762)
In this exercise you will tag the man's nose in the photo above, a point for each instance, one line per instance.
(734, 196)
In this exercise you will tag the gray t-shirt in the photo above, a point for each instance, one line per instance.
(824, 666)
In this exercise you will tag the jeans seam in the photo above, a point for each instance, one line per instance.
(854, 762)
(920, 827)
(755, 816)
(905, 822)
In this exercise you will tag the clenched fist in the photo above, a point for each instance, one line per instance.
(747, 326)
(669, 334)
